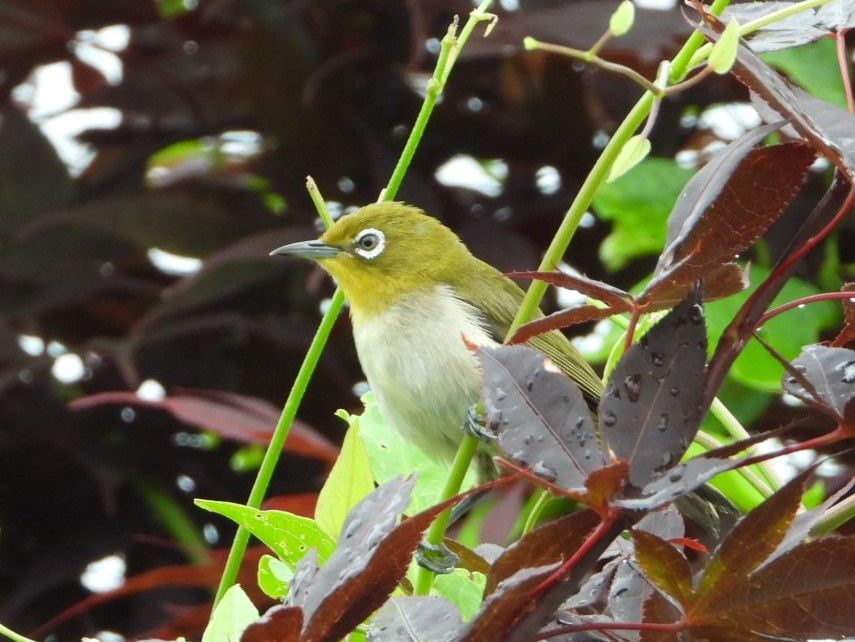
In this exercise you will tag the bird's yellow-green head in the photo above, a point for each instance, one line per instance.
(382, 252)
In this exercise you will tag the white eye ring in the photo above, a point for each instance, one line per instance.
(370, 243)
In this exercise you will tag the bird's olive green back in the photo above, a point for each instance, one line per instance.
(499, 298)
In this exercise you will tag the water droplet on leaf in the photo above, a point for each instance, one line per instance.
(632, 385)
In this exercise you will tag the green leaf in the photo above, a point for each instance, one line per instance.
(289, 536)
(274, 577)
(349, 481)
(391, 456)
(463, 589)
(814, 67)
(621, 20)
(787, 333)
(723, 53)
(631, 154)
(639, 203)
(231, 616)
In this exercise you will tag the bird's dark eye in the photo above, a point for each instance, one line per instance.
(370, 243)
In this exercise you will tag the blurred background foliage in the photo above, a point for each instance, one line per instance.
(152, 152)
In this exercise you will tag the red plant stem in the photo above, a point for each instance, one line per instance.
(630, 330)
(825, 296)
(829, 438)
(596, 535)
(819, 237)
(612, 626)
(840, 37)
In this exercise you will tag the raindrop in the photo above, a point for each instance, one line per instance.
(848, 369)
(675, 477)
(542, 470)
(792, 381)
(674, 390)
(662, 424)
(632, 384)
(800, 367)
(580, 422)
(527, 440)
(609, 418)
(697, 314)
(613, 391)
(656, 358)
(587, 453)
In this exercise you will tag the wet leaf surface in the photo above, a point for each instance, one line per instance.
(650, 411)
(540, 416)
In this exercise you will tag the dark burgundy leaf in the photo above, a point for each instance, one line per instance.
(659, 610)
(828, 129)
(414, 619)
(650, 411)
(817, 605)
(666, 523)
(627, 594)
(232, 416)
(544, 546)
(732, 201)
(676, 482)
(503, 607)
(564, 319)
(831, 372)
(687, 476)
(667, 289)
(278, 624)
(664, 566)
(371, 559)
(792, 31)
(749, 544)
(609, 294)
(555, 592)
(539, 415)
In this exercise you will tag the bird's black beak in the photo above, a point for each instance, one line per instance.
(313, 250)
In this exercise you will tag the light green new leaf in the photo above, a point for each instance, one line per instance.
(349, 481)
(631, 154)
(723, 53)
(391, 456)
(231, 616)
(274, 577)
(289, 536)
(621, 20)
(462, 588)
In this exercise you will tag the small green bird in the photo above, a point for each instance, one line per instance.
(415, 293)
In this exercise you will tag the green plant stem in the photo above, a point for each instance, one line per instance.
(15, 637)
(462, 459)
(318, 201)
(277, 441)
(597, 176)
(752, 26)
(450, 47)
(295, 395)
(835, 517)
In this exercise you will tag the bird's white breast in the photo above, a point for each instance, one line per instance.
(423, 376)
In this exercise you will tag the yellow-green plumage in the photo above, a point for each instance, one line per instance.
(415, 292)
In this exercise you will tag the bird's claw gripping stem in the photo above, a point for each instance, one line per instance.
(437, 558)
(475, 426)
